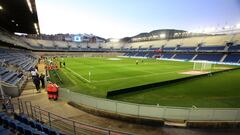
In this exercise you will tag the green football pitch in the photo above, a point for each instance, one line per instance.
(97, 75)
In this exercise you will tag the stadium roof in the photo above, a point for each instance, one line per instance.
(157, 32)
(19, 16)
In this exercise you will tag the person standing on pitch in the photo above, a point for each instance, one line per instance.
(60, 64)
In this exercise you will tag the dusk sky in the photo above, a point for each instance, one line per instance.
(121, 18)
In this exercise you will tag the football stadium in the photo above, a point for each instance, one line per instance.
(165, 81)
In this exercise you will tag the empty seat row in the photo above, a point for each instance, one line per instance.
(210, 48)
(209, 57)
(233, 58)
(16, 126)
(18, 59)
(36, 125)
(184, 56)
(10, 76)
(24, 125)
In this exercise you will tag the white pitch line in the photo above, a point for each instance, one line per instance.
(153, 74)
(124, 78)
(78, 75)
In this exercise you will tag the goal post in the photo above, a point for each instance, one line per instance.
(202, 65)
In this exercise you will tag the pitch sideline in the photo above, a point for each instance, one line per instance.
(78, 75)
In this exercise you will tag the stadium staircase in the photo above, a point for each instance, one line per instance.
(223, 58)
(173, 56)
(29, 89)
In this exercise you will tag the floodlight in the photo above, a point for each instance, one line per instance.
(36, 27)
(29, 5)
(1, 8)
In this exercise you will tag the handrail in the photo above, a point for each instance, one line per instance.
(51, 117)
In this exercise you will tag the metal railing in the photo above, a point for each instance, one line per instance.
(62, 124)
(153, 111)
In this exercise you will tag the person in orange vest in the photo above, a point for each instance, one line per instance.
(55, 91)
(50, 88)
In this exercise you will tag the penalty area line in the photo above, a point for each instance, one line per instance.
(77, 74)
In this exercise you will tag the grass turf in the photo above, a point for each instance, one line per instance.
(220, 90)
(108, 75)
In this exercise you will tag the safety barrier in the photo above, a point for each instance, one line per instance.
(153, 111)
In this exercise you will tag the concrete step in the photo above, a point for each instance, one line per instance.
(31, 93)
(175, 124)
(28, 92)
(29, 86)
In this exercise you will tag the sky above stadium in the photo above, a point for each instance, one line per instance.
(121, 18)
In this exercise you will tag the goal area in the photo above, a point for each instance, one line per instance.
(202, 65)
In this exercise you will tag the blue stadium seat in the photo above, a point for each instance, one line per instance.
(209, 57)
(4, 131)
(169, 48)
(186, 48)
(184, 56)
(211, 48)
(234, 48)
(167, 55)
(234, 58)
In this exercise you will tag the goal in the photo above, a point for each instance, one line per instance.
(202, 65)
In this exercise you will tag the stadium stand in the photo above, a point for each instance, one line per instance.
(169, 48)
(73, 45)
(186, 48)
(233, 58)
(32, 43)
(167, 56)
(234, 48)
(147, 49)
(192, 41)
(184, 56)
(174, 42)
(200, 47)
(211, 48)
(236, 39)
(60, 44)
(209, 57)
(14, 67)
(217, 40)
(140, 54)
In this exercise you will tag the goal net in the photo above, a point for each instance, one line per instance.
(202, 65)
